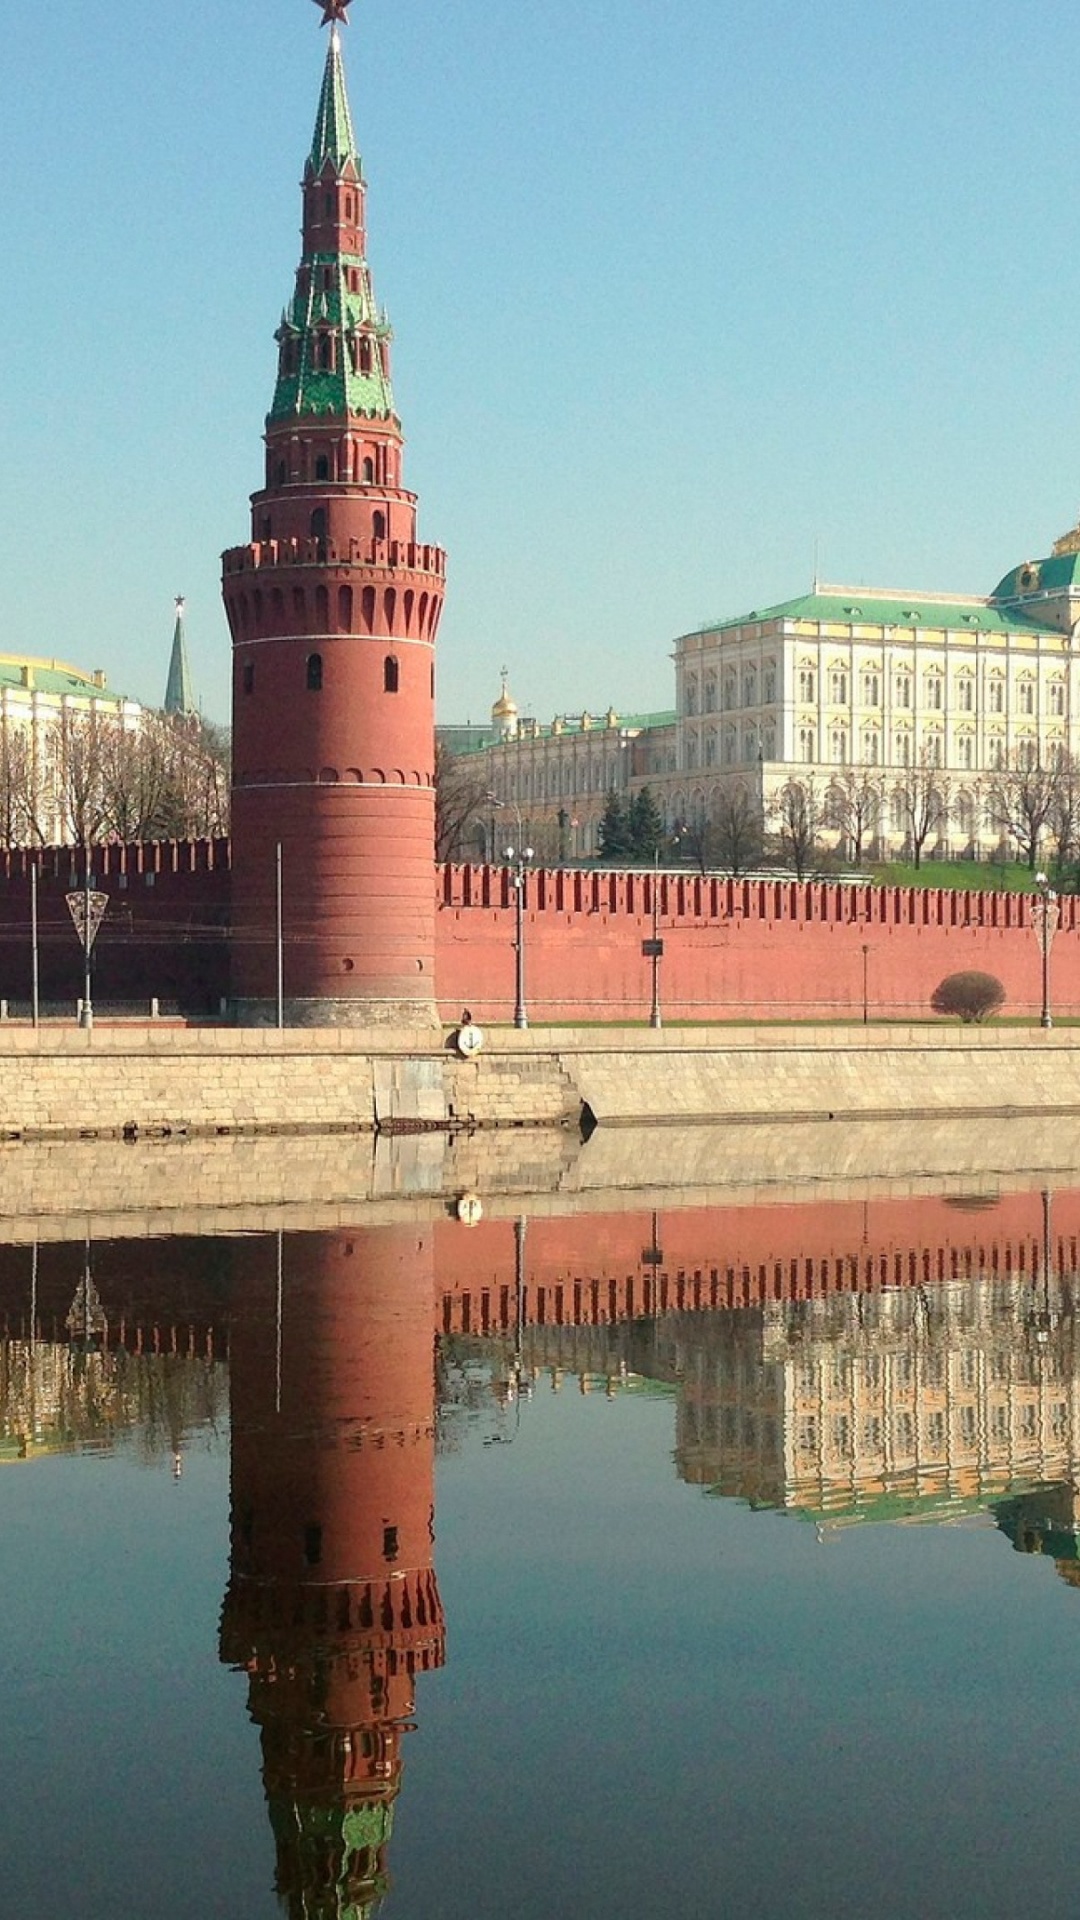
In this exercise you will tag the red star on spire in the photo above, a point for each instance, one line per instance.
(334, 11)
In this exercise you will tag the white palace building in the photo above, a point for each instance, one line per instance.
(838, 679)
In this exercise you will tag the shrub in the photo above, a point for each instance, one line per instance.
(972, 997)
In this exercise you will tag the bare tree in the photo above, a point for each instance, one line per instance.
(735, 830)
(1064, 818)
(1020, 801)
(922, 796)
(796, 814)
(79, 751)
(853, 806)
(460, 798)
(18, 818)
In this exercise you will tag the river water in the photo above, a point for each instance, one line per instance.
(705, 1564)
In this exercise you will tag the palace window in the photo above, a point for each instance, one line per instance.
(1026, 696)
(806, 744)
(903, 690)
(838, 745)
(807, 685)
(1057, 698)
(903, 749)
(750, 687)
(871, 746)
(838, 687)
(965, 693)
(768, 692)
(731, 688)
(691, 693)
(710, 693)
(934, 691)
(871, 689)
(965, 751)
(995, 693)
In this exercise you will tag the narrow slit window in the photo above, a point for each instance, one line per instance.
(249, 676)
(390, 674)
(314, 673)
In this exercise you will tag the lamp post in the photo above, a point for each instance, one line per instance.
(1045, 915)
(653, 949)
(517, 860)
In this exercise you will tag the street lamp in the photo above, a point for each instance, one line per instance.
(517, 861)
(1045, 915)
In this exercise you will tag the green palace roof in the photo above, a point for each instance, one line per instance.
(22, 670)
(854, 606)
(568, 727)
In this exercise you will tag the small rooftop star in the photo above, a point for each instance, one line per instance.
(334, 11)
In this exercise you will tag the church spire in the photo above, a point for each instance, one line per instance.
(179, 689)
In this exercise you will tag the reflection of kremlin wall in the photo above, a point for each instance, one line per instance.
(333, 1607)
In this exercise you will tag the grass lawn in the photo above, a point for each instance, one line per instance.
(978, 876)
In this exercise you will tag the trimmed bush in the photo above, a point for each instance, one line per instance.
(971, 997)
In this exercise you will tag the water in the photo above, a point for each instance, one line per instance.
(336, 1583)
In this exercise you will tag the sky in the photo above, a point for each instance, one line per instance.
(687, 299)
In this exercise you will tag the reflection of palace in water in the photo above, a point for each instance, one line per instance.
(901, 1360)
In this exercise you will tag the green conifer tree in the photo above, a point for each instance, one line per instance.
(646, 827)
(615, 842)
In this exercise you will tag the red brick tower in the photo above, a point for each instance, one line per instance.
(333, 1607)
(333, 609)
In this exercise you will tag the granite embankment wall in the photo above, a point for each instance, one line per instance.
(131, 1081)
(733, 949)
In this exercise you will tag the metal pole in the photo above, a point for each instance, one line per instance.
(1046, 1020)
(521, 1018)
(86, 1013)
(34, 957)
(654, 1012)
(280, 948)
(865, 987)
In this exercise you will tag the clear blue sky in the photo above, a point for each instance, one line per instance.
(679, 292)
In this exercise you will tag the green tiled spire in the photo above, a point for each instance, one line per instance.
(333, 139)
(333, 295)
(179, 690)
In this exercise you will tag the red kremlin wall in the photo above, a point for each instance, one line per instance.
(733, 949)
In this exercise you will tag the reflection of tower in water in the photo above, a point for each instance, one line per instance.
(332, 1605)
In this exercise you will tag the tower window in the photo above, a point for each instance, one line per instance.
(318, 524)
(390, 674)
(313, 1545)
(249, 676)
(314, 673)
(390, 1543)
(322, 468)
(378, 525)
(369, 472)
(328, 205)
(279, 474)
